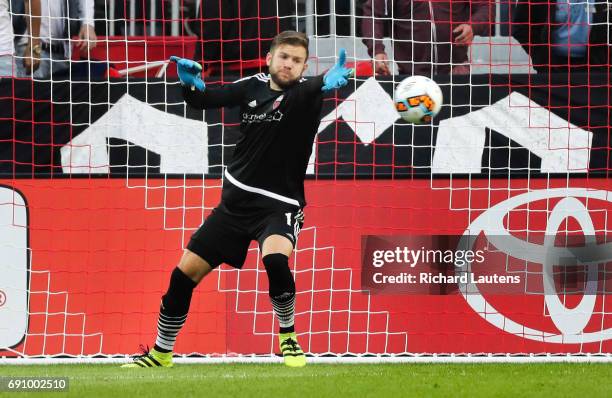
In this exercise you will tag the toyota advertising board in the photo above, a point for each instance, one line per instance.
(109, 255)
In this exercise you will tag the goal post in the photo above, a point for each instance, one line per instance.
(105, 173)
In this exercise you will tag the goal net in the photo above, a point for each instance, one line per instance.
(105, 173)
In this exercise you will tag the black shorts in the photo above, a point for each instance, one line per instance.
(224, 237)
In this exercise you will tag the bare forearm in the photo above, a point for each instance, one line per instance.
(33, 18)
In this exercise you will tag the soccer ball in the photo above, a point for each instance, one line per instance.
(418, 99)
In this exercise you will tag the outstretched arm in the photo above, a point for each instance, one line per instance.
(198, 95)
(334, 78)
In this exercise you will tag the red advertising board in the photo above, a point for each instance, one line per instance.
(100, 252)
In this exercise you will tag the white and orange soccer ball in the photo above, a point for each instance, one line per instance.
(418, 99)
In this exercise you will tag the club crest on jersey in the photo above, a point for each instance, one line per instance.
(277, 102)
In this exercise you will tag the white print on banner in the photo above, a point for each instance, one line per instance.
(181, 143)
(569, 322)
(562, 146)
(369, 112)
(14, 279)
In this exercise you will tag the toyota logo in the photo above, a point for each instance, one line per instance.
(569, 322)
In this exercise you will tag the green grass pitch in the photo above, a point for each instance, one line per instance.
(327, 380)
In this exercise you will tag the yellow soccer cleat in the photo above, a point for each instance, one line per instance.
(292, 352)
(151, 359)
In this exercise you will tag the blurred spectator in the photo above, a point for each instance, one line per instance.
(564, 34)
(428, 36)
(30, 12)
(59, 19)
(236, 34)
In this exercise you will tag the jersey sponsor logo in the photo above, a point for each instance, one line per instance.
(261, 117)
(277, 102)
(574, 325)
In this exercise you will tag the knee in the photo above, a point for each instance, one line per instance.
(194, 266)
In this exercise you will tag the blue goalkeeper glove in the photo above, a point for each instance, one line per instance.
(338, 75)
(189, 72)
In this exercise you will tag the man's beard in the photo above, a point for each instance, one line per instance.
(283, 84)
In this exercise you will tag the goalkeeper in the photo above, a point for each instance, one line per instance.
(263, 189)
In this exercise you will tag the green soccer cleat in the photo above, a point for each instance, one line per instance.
(151, 359)
(292, 352)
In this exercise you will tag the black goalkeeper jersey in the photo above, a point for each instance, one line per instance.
(278, 130)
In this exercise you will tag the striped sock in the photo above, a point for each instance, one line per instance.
(284, 308)
(168, 328)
